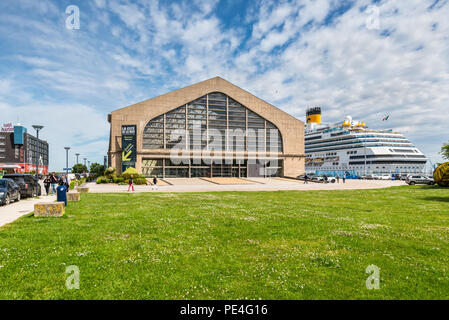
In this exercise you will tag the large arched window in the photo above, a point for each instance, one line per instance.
(214, 121)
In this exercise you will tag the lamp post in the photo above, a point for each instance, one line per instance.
(37, 128)
(77, 156)
(67, 160)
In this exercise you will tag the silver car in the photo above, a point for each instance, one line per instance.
(417, 179)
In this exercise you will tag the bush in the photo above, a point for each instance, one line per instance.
(102, 180)
(119, 180)
(131, 172)
(72, 184)
(140, 181)
(109, 172)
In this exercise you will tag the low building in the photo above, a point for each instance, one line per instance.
(18, 150)
(210, 129)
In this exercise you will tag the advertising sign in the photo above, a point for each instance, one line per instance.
(129, 147)
(8, 127)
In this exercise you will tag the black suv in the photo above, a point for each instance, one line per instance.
(9, 191)
(29, 186)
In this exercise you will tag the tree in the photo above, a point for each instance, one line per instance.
(97, 169)
(445, 151)
(79, 168)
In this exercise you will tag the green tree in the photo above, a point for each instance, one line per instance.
(97, 169)
(445, 151)
(79, 168)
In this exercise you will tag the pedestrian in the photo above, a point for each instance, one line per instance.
(53, 182)
(131, 183)
(344, 179)
(47, 183)
(306, 179)
(155, 183)
(338, 178)
(67, 183)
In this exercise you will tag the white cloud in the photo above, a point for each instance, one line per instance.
(79, 126)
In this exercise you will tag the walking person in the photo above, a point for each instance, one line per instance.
(306, 179)
(47, 183)
(344, 179)
(131, 183)
(53, 182)
(67, 183)
(338, 178)
(154, 187)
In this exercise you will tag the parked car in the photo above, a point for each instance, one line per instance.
(416, 179)
(385, 177)
(29, 186)
(324, 178)
(9, 191)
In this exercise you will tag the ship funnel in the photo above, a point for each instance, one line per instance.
(313, 115)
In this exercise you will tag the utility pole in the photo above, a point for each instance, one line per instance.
(37, 128)
(77, 156)
(67, 160)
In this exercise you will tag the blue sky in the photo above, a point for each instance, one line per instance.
(293, 54)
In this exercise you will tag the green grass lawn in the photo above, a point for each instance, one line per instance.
(234, 245)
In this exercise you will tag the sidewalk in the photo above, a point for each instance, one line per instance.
(17, 209)
(264, 184)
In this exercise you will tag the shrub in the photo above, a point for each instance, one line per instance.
(119, 180)
(140, 181)
(109, 172)
(72, 184)
(131, 172)
(101, 180)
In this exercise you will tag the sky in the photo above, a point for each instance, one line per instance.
(363, 58)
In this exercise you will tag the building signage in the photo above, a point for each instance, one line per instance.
(2, 173)
(8, 127)
(129, 147)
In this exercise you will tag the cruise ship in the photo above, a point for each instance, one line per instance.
(351, 149)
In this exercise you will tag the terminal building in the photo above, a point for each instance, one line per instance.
(210, 129)
(18, 150)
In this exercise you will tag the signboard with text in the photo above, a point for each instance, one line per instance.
(129, 147)
(8, 127)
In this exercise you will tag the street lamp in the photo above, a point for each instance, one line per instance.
(67, 160)
(77, 156)
(37, 128)
(85, 161)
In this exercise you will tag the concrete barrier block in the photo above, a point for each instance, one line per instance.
(73, 196)
(49, 209)
(82, 190)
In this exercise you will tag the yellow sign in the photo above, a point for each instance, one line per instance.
(441, 175)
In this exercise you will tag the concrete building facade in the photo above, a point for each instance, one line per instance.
(210, 129)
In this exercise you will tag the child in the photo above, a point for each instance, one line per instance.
(131, 183)
(154, 187)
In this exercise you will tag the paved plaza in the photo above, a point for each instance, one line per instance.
(249, 184)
